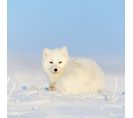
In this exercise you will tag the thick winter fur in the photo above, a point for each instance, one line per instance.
(71, 75)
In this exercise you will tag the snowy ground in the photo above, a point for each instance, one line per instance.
(29, 99)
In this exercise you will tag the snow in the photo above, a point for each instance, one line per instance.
(30, 99)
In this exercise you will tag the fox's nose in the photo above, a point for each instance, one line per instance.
(55, 69)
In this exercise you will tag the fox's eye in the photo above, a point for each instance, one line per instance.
(60, 62)
(51, 62)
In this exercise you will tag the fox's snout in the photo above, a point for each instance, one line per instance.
(55, 70)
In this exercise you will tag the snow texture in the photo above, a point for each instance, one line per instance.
(28, 97)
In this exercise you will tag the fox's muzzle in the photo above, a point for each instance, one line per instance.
(55, 70)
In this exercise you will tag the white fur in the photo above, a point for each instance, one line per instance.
(75, 75)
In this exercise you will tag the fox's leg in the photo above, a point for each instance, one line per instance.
(52, 87)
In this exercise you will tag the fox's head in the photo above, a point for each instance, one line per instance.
(55, 60)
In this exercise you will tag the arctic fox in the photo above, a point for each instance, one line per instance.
(71, 75)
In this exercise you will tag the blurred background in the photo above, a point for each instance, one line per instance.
(89, 28)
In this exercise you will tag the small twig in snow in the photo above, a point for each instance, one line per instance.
(115, 88)
(113, 96)
(8, 79)
(12, 89)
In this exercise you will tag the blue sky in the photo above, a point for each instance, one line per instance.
(86, 27)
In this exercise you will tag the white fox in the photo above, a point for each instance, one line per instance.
(72, 75)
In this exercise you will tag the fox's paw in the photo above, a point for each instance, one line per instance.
(52, 88)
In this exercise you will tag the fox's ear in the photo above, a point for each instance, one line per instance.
(64, 50)
(46, 51)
